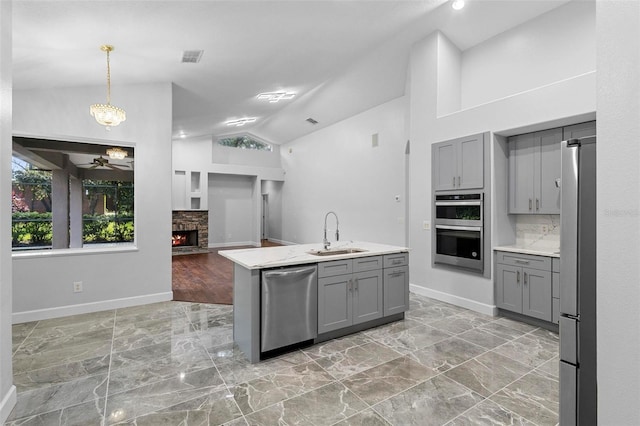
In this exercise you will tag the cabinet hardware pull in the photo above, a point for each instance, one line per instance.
(522, 262)
(537, 204)
(458, 181)
(396, 262)
(356, 281)
(518, 278)
(350, 285)
(530, 204)
(454, 181)
(395, 274)
(525, 278)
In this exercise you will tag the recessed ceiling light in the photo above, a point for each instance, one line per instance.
(274, 97)
(457, 4)
(241, 121)
(312, 121)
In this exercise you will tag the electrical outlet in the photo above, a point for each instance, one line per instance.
(77, 286)
(426, 225)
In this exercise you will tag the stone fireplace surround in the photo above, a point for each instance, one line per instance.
(192, 220)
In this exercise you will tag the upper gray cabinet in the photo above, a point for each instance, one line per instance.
(534, 170)
(579, 130)
(459, 163)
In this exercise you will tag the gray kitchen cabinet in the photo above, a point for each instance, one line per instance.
(579, 130)
(396, 283)
(508, 288)
(459, 163)
(555, 291)
(536, 293)
(349, 298)
(534, 168)
(524, 284)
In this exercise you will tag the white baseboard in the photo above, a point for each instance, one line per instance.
(463, 302)
(85, 308)
(7, 403)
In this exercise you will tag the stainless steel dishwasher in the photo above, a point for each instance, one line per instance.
(289, 306)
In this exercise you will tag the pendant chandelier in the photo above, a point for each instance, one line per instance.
(108, 115)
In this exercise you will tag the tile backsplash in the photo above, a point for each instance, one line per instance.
(544, 228)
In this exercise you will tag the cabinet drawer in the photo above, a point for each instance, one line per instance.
(526, 260)
(336, 267)
(555, 264)
(396, 259)
(367, 263)
(555, 283)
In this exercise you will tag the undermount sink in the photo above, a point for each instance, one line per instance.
(335, 251)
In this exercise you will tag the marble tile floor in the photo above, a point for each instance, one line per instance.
(174, 363)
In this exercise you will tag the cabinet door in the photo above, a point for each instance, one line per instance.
(367, 296)
(396, 290)
(444, 166)
(470, 163)
(521, 172)
(334, 303)
(508, 288)
(536, 293)
(547, 193)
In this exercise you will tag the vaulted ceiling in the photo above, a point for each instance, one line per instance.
(339, 57)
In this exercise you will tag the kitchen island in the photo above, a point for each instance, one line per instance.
(359, 285)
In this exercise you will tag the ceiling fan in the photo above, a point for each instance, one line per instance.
(104, 162)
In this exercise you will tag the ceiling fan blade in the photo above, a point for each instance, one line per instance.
(113, 166)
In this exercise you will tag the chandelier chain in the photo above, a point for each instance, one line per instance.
(108, 79)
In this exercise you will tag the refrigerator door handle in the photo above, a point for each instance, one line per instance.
(569, 230)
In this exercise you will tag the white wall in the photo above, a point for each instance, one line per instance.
(336, 168)
(245, 157)
(618, 180)
(554, 46)
(7, 390)
(562, 100)
(232, 210)
(42, 283)
(203, 155)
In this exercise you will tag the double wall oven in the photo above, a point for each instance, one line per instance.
(459, 226)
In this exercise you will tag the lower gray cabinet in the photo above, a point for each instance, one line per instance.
(349, 299)
(396, 283)
(523, 284)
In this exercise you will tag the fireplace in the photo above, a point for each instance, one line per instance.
(184, 238)
(190, 231)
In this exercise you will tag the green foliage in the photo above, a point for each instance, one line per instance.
(107, 229)
(39, 181)
(245, 142)
(31, 229)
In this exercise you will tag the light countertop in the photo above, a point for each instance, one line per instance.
(538, 248)
(270, 257)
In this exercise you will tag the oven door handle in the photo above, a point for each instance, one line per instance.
(460, 228)
(458, 203)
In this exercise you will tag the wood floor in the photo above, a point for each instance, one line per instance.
(205, 278)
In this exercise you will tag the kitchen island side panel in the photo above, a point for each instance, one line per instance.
(246, 311)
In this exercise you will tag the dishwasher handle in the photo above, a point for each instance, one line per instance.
(286, 273)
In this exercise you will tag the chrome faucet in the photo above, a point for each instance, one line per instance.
(325, 241)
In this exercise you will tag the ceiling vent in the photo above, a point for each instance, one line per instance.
(191, 56)
(312, 121)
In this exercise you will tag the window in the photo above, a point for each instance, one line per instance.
(96, 192)
(245, 142)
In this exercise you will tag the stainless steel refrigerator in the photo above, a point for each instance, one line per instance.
(578, 384)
